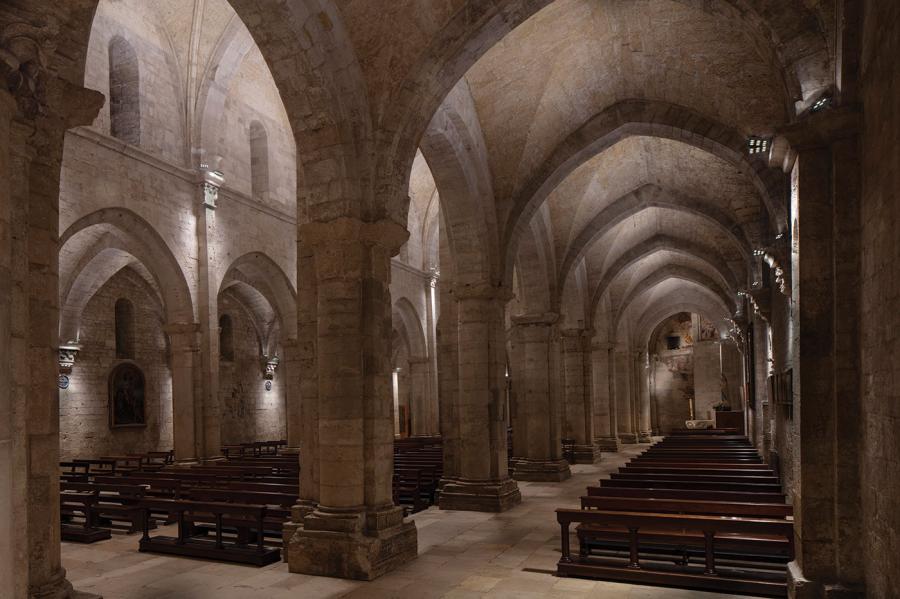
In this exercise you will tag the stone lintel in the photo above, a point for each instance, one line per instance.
(586, 454)
(541, 470)
(479, 495)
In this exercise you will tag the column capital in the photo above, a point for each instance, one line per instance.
(819, 129)
(345, 230)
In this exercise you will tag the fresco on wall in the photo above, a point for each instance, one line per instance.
(126, 396)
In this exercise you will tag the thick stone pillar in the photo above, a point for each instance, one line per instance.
(420, 410)
(448, 380)
(481, 479)
(355, 530)
(31, 137)
(208, 313)
(825, 188)
(307, 394)
(642, 374)
(12, 539)
(604, 398)
(626, 429)
(293, 416)
(579, 408)
(187, 412)
(538, 425)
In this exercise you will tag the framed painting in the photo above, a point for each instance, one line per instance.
(126, 397)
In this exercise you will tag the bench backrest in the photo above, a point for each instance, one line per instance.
(687, 506)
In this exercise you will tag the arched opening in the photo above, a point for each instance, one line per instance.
(124, 92)
(124, 324)
(226, 338)
(259, 161)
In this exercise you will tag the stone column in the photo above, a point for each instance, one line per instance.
(538, 410)
(208, 312)
(31, 137)
(432, 397)
(290, 370)
(642, 373)
(604, 397)
(448, 380)
(626, 430)
(307, 394)
(355, 530)
(825, 261)
(579, 409)
(420, 410)
(12, 538)
(480, 479)
(187, 412)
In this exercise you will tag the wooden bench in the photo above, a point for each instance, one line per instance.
(221, 546)
(115, 502)
(81, 503)
(649, 569)
(684, 544)
(278, 509)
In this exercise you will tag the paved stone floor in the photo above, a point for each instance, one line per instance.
(462, 555)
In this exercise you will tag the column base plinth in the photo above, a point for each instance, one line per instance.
(479, 495)
(645, 437)
(610, 444)
(628, 438)
(799, 587)
(586, 454)
(59, 588)
(356, 546)
(552, 471)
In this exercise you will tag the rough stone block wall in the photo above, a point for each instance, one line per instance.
(161, 107)
(83, 407)
(880, 456)
(249, 412)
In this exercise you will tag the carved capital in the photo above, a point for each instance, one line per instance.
(25, 49)
(210, 182)
(270, 364)
(67, 355)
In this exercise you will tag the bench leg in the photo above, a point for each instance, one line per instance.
(633, 561)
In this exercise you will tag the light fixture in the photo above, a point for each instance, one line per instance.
(758, 145)
(821, 103)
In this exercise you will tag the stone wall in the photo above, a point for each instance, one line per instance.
(248, 412)
(880, 455)
(84, 413)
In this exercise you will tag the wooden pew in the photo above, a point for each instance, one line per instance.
(645, 569)
(684, 544)
(221, 546)
(80, 504)
(115, 502)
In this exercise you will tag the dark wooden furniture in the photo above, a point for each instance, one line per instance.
(222, 546)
